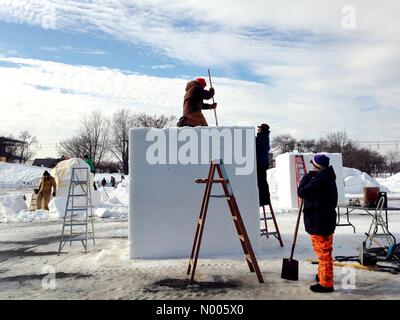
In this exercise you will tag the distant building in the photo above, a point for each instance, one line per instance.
(6, 146)
(46, 162)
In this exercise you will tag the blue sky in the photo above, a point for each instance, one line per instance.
(291, 64)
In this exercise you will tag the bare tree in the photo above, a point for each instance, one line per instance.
(92, 139)
(122, 121)
(283, 143)
(307, 145)
(392, 160)
(339, 142)
(155, 121)
(28, 148)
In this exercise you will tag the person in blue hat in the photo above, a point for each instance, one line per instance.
(319, 191)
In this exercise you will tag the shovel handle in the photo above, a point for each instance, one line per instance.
(296, 230)
(215, 112)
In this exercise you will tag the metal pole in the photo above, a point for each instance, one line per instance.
(215, 112)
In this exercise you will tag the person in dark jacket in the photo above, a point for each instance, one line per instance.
(319, 191)
(262, 155)
(193, 103)
(112, 181)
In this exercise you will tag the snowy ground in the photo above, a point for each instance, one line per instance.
(29, 244)
(28, 249)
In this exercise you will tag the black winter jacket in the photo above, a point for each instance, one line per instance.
(319, 191)
(262, 149)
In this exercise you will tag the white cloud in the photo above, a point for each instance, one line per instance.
(317, 75)
(50, 99)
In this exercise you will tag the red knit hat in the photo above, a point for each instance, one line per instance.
(201, 82)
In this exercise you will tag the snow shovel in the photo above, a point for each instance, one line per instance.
(290, 267)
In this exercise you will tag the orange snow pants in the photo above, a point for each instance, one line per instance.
(323, 249)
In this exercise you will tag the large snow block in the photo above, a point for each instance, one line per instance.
(286, 175)
(165, 202)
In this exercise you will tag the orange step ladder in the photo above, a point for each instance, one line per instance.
(265, 231)
(217, 166)
(301, 171)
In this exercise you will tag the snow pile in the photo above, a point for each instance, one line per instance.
(392, 183)
(10, 206)
(114, 202)
(355, 181)
(15, 176)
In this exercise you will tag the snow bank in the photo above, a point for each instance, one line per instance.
(355, 181)
(16, 176)
(392, 183)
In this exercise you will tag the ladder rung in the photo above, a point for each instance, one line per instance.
(76, 238)
(78, 209)
(77, 195)
(79, 182)
(75, 224)
(212, 181)
(220, 196)
(268, 233)
(267, 218)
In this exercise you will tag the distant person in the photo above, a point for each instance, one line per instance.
(112, 181)
(319, 191)
(262, 155)
(123, 182)
(193, 103)
(103, 182)
(89, 161)
(46, 186)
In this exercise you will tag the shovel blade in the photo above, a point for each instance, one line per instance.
(290, 269)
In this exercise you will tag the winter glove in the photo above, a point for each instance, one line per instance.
(212, 91)
(214, 106)
(54, 194)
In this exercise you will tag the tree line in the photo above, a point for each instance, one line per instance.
(107, 138)
(363, 159)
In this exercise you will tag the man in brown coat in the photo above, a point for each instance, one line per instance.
(193, 103)
(47, 182)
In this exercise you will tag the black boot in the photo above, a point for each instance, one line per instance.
(318, 288)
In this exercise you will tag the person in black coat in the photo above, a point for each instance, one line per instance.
(262, 155)
(319, 191)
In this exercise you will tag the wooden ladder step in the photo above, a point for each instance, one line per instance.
(218, 166)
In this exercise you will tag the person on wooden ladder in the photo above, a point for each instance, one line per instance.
(319, 191)
(193, 104)
(262, 155)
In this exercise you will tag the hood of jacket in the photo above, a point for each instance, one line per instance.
(191, 84)
(328, 173)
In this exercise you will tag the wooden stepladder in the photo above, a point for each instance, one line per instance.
(265, 231)
(218, 166)
(301, 171)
